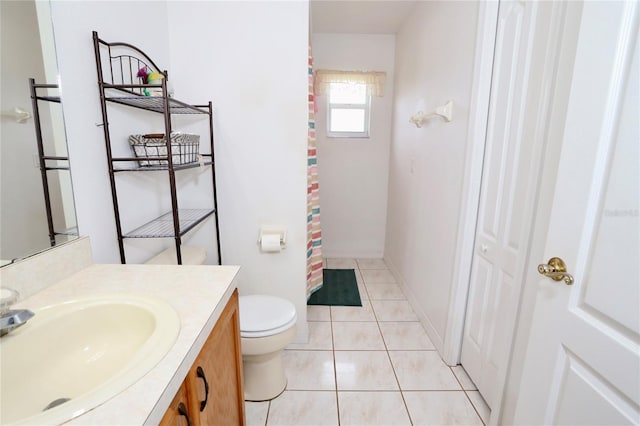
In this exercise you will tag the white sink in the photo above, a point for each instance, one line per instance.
(86, 351)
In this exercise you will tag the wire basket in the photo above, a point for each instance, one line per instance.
(185, 148)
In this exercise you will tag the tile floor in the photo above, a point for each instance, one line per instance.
(369, 365)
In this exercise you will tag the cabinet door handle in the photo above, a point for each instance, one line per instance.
(200, 374)
(182, 410)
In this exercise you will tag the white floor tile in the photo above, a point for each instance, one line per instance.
(295, 408)
(377, 276)
(345, 372)
(319, 338)
(405, 336)
(463, 378)
(440, 408)
(364, 370)
(422, 370)
(481, 407)
(362, 289)
(353, 313)
(385, 292)
(256, 413)
(342, 264)
(393, 310)
(371, 264)
(357, 336)
(318, 313)
(372, 408)
(309, 370)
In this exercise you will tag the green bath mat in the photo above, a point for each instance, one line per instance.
(339, 288)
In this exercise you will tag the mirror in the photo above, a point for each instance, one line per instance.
(36, 198)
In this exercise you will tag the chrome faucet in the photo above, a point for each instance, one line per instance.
(11, 319)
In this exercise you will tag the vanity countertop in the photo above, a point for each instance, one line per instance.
(197, 293)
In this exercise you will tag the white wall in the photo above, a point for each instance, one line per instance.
(250, 58)
(64, 215)
(23, 225)
(354, 172)
(434, 64)
(140, 198)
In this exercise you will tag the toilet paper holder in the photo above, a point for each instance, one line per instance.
(270, 230)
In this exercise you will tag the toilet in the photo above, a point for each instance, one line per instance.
(267, 326)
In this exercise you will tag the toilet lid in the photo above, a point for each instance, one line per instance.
(262, 315)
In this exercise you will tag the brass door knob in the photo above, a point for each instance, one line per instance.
(556, 269)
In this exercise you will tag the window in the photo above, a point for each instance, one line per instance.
(349, 100)
(348, 110)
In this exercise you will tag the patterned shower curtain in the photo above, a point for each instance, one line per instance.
(314, 231)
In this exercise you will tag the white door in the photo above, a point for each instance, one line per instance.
(507, 195)
(583, 355)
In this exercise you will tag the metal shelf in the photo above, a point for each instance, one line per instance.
(162, 227)
(55, 99)
(42, 158)
(156, 104)
(159, 168)
(118, 83)
(69, 231)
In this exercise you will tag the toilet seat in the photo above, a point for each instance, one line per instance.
(262, 315)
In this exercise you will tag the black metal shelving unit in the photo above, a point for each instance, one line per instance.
(118, 84)
(47, 162)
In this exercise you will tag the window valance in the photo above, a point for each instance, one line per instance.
(374, 80)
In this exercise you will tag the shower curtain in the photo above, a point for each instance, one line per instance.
(314, 232)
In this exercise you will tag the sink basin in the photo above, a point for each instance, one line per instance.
(73, 356)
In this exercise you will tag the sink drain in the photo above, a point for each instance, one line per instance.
(55, 403)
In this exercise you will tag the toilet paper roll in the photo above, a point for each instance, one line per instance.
(270, 243)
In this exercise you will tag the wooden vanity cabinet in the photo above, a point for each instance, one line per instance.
(212, 391)
(178, 412)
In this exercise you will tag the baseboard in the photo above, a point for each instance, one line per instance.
(436, 339)
(351, 254)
